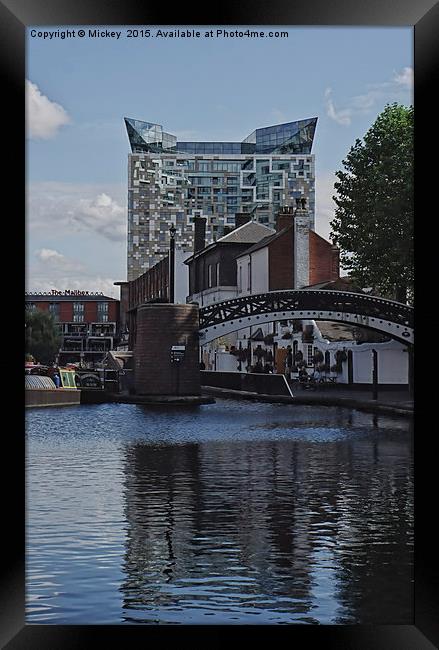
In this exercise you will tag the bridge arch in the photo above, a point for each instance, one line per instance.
(386, 316)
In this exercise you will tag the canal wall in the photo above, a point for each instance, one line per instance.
(261, 388)
(253, 382)
(52, 397)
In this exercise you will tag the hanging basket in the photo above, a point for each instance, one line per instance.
(259, 352)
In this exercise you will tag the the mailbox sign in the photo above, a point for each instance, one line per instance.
(177, 353)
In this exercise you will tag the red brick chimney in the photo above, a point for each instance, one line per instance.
(199, 233)
(241, 218)
(284, 217)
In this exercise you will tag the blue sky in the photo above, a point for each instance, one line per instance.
(79, 90)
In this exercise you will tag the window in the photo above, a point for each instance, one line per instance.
(30, 306)
(209, 270)
(54, 310)
(103, 312)
(249, 276)
(217, 274)
(240, 279)
(78, 312)
(309, 355)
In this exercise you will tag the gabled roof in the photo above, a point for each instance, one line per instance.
(265, 241)
(341, 284)
(249, 233)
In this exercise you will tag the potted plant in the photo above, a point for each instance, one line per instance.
(340, 356)
(287, 335)
(259, 352)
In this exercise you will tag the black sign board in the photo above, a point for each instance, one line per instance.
(177, 353)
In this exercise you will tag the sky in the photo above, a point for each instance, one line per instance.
(78, 90)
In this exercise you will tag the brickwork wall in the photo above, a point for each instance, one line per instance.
(66, 312)
(281, 262)
(324, 260)
(159, 327)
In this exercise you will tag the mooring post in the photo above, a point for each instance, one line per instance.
(172, 231)
(374, 374)
(410, 371)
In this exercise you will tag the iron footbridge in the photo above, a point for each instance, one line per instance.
(387, 316)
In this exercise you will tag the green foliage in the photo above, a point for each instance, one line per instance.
(373, 224)
(41, 336)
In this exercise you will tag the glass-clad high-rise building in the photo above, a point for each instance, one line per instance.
(171, 182)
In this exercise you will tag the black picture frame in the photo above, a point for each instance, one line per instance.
(15, 16)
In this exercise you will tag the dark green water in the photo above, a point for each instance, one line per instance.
(235, 512)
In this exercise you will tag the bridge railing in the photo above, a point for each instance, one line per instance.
(313, 301)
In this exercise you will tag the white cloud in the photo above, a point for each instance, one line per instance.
(84, 282)
(47, 255)
(103, 215)
(55, 261)
(404, 78)
(342, 117)
(325, 206)
(49, 269)
(43, 117)
(69, 207)
(387, 91)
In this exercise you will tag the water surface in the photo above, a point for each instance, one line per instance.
(234, 512)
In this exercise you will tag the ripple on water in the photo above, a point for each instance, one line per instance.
(229, 513)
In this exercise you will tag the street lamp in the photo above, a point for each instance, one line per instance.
(172, 231)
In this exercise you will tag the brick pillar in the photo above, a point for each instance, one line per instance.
(159, 327)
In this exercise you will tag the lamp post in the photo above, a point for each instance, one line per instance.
(172, 231)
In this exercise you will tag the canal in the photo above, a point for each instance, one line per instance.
(231, 513)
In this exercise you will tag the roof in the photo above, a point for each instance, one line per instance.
(249, 233)
(289, 137)
(333, 331)
(265, 241)
(340, 284)
(50, 297)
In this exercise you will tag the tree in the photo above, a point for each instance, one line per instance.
(373, 224)
(42, 337)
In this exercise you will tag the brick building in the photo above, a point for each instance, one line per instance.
(212, 268)
(88, 323)
(291, 258)
(151, 286)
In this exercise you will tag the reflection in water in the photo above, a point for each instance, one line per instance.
(279, 529)
(231, 515)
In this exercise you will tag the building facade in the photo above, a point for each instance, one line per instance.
(212, 268)
(172, 182)
(88, 323)
(151, 286)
